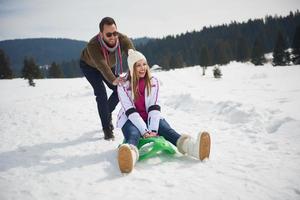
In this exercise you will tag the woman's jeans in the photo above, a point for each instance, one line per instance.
(132, 134)
(96, 79)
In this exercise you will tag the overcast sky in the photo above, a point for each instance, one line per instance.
(79, 19)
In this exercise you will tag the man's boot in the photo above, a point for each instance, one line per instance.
(199, 148)
(127, 157)
(108, 134)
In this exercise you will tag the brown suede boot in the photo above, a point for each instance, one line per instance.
(127, 157)
(199, 148)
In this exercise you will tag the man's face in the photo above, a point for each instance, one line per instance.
(110, 34)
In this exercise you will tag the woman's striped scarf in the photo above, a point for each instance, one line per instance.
(118, 55)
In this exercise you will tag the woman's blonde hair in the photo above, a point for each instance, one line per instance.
(135, 82)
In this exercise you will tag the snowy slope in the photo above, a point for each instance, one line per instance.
(52, 146)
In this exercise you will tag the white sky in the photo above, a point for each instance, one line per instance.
(79, 19)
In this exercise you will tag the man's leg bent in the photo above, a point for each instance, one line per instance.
(113, 99)
(95, 78)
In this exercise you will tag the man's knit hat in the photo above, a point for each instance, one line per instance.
(133, 57)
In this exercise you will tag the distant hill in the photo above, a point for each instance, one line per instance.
(47, 50)
(43, 50)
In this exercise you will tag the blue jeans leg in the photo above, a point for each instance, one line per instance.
(167, 132)
(105, 106)
(131, 133)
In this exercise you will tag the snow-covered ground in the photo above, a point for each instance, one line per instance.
(52, 146)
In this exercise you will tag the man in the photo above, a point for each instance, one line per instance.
(101, 61)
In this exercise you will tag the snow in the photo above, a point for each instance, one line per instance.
(52, 146)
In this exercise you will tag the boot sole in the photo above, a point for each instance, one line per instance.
(125, 159)
(204, 149)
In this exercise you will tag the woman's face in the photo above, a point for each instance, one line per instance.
(141, 68)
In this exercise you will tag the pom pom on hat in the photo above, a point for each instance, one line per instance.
(133, 57)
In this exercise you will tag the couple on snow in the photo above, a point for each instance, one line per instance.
(138, 93)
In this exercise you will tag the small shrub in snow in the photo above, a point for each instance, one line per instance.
(217, 72)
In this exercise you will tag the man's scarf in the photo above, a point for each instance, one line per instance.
(117, 49)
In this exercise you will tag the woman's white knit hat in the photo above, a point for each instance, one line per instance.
(133, 57)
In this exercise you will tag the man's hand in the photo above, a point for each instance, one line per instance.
(119, 80)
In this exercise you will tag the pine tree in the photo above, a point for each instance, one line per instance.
(44, 70)
(222, 53)
(176, 61)
(71, 68)
(5, 71)
(288, 57)
(204, 59)
(257, 56)
(179, 60)
(31, 71)
(55, 71)
(296, 46)
(279, 54)
(27, 72)
(242, 50)
(164, 60)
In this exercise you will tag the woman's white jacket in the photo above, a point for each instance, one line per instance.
(129, 112)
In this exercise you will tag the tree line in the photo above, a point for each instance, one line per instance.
(31, 70)
(246, 41)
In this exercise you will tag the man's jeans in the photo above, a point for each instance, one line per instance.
(105, 107)
(132, 134)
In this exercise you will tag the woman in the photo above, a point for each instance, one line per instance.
(140, 116)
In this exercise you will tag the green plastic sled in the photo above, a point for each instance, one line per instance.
(159, 144)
